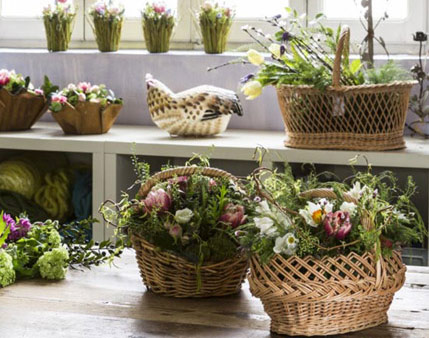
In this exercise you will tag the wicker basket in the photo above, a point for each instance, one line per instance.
(170, 275)
(20, 112)
(87, 118)
(365, 117)
(331, 295)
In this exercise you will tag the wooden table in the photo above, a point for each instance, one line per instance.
(113, 303)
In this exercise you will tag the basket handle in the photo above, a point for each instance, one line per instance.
(343, 51)
(326, 193)
(182, 171)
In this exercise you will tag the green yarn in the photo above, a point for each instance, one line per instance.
(16, 204)
(20, 177)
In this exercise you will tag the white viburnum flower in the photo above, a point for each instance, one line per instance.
(183, 216)
(348, 207)
(266, 226)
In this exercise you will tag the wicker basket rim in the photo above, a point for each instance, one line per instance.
(378, 86)
(181, 260)
(88, 103)
(25, 92)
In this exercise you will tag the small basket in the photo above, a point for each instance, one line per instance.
(107, 33)
(173, 276)
(58, 33)
(87, 118)
(329, 295)
(215, 36)
(157, 35)
(364, 117)
(20, 112)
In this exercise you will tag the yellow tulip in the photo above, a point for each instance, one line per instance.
(275, 50)
(255, 57)
(252, 89)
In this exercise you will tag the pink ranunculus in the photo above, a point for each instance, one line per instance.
(84, 86)
(39, 92)
(158, 199)
(159, 8)
(234, 215)
(59, 98)
(4, 77)
(338, 224)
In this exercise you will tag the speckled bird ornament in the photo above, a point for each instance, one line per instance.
(200, 111)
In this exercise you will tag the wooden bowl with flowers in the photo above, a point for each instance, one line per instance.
(21, 106)
(182, 226)
(85, 109)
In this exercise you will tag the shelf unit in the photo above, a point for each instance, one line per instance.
(233, 151)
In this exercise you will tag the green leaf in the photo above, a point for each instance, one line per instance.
(4, 230)
(355, 66)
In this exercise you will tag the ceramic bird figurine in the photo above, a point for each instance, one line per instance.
(200, 111)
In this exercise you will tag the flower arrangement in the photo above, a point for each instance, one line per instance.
(58, 20)
(83, 92)
(85, 109)
(32, 250)
(107, 17)
(215, 23)
(291, 222)
(158, 24)
(16, 83)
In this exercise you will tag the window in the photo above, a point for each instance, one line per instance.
(21, 24)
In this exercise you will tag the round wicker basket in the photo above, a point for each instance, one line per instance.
(169, 275)
(329, 295)
(364, 117)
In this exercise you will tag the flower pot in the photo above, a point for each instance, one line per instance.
(215, 36)
(87, 118)
(327, 296)
(107, 33)
(20, 112)
(157, 35)
(58, 33)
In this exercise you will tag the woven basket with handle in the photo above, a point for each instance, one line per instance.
(364, 117)
(169, 275)
(329, 295)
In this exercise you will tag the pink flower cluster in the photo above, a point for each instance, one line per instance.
(59, 97)
(103, 8)
(17, 230)
(5, 77)
(338, 224)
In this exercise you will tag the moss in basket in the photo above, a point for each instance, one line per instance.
(290, 224)
(107, 19)
(83, 92)
(158, 24)
(193, 217)
(58, 20)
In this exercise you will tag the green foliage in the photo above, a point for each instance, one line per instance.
(387, 73)
(53, 264)
(48, 87)
(4, 230)
(7, 273)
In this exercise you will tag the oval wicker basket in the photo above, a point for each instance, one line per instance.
(169, 275)
(87, 118)
(364, 117)
(329, 295)
(20, 112)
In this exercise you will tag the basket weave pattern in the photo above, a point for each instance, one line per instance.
(327, 296)
(365, 117)
(167, 274)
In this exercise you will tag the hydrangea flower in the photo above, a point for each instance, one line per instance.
(7, 273)
(54, 264)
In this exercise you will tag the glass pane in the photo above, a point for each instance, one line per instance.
(133, 8)
(258, 9)
(351, 9)
(23, 8)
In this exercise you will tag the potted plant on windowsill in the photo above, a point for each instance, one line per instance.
(85, 109)
(326, 256)
(21, 105)
(59, 20)
(182, 225)
(158, 23)
(215, 23)
(107, 20)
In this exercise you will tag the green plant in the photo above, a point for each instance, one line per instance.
(158, 24)
(58, 22)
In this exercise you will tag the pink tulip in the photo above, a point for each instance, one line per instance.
(338, 224)
(159, 200)
(81, 97)
(84, 86)
(59, 98)
(39, 92)
(234, 215)
(4, 77)
(159, 8)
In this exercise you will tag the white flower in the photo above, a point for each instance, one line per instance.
(286, 244)
(255, 57)
(326, 205)
(71, 87)
(183, 216)
(275, 49)
(312, 214)
(399, 215)
(283, 220)
(266, 226)
(252, 89)
(357, 191)
(263, 208)
(349, 207)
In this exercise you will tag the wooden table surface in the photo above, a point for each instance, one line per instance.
(113, 303)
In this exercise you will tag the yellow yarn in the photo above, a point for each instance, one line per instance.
(20, 177)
